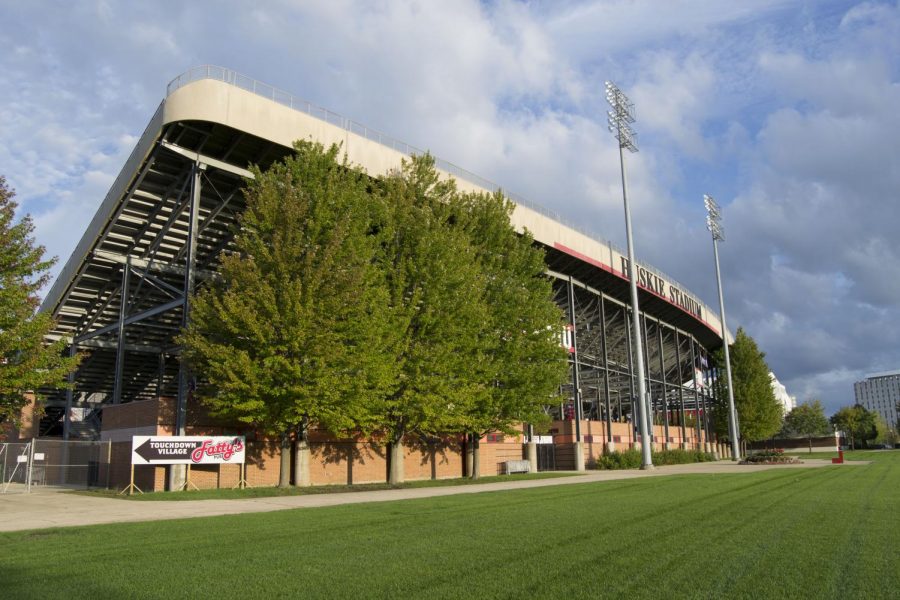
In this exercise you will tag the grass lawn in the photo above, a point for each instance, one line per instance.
(829, 532)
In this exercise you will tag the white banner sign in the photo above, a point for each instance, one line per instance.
(187, 450)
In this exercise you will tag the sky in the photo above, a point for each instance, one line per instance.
(784, 111)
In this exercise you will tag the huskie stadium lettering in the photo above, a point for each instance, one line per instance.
(120, 299)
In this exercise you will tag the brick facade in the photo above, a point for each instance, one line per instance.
(335, 461)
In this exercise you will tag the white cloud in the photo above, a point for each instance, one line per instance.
(673, 96)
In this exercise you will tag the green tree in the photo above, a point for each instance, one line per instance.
(471, 312)
(383, 308)
(27, 361)
(856, 422)
(759, 413)
(433, 284)
(290, 333)
(807, 420)
(522, 360)
(846, 420)
(884, 434)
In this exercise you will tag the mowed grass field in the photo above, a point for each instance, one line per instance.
(829, 532)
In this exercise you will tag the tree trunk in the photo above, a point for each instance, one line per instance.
(476, 456)
(284, 475)
(809, 439)
(468, 450)
(301, 456)
(395, 462)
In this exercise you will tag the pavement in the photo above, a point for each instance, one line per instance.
(58, 509)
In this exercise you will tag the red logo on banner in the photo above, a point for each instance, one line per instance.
(223, 449)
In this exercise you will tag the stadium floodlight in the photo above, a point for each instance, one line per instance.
(620, 119)
(714, 225)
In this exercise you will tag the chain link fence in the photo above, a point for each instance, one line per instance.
(47, 464)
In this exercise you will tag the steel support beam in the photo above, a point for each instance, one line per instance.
(635, 415)
(680, 386)
(140, 263)
(694, 366)
(662, 375)
(202, 160)
(576, 376)
(167, 289)
(136, 348)
(99, 311)
(70, 392)
(207, 221)
(120, 350)
(648, 385)
(160, 375)
(150, 312)
(603, 345)
(707, 398)
(180, 203)
(189, 281)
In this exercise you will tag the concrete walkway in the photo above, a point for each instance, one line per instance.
(55, 509)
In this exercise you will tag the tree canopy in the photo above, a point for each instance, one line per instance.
(379, 307)
(885, 434)
(807, 420)
(292, 330)
(855, 422)
(479, 350)
(759, 413)
(27, 361)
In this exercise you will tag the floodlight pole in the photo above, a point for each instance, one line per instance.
(713, 223)
(619, 119)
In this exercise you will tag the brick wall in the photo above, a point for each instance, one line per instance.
(28, 423)
(341, 461)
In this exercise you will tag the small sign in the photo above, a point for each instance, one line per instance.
(187, 450)
(22, 458)
(543, 439)
(38, 456)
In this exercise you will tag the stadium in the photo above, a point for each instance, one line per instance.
(125, 292)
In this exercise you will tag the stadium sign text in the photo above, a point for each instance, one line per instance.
(659, 286)
(187, 450)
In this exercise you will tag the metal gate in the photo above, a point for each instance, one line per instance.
(546, 457)
(14, 467)
(52, 464)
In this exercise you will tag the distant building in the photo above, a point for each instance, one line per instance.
(880, 393)
(788, 402)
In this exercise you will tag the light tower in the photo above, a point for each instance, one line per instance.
(620, 119)
(714, 225)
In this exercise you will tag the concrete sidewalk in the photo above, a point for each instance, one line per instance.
(54, 509)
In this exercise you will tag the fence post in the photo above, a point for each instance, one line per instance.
(108, 460)
(30, 466)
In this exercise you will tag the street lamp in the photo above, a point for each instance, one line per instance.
(620, 119)
(714, 225)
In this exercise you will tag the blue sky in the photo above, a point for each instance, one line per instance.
(785, 111)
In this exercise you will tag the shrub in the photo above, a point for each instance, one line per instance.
(631, 459)
(769, 457)
(681, 457)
